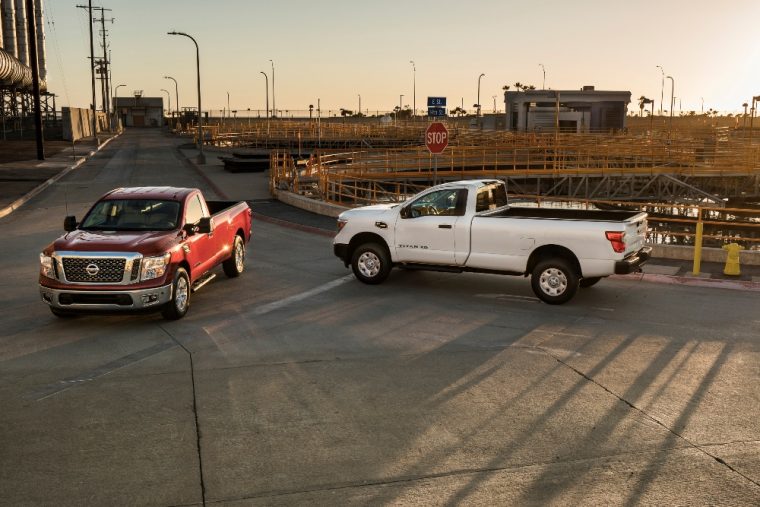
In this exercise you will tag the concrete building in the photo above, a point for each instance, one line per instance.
(585, 110)
(139, 111)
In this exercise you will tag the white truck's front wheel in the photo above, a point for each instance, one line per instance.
(554, 281)
(371, 263)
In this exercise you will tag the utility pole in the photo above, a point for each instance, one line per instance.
(32, 31)
(92, 72)
(104, 61)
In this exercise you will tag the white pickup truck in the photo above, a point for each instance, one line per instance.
(469, 226)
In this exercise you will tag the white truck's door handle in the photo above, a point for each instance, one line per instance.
(444, 226)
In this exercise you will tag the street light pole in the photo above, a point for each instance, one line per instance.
(168, 100)
(274, 104)
(703, 104)
(752, 116)
(266, 88)
(116, 100)
(494, 103)
(662, 88)
(176, 93)
(672, 102)
(480, 76)
(360, 104)
(414, 88)
(201, 157)
(543, 87)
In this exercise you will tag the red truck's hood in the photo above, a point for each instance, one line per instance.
(147, 243)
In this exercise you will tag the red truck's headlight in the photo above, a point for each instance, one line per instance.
(154, 267)
(47, 266)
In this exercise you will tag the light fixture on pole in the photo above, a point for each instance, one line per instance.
(176, 93)
(201, 157)
(662, 88)
(543, 86)
(414, 88)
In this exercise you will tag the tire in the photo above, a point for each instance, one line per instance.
(62, 314)
(235, 265)
(588, 282)
(553, 281)
(180, 302)
(371, 263)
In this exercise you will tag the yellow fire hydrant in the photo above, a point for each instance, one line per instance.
(732, 260)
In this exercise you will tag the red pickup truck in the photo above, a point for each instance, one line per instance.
(143, 248)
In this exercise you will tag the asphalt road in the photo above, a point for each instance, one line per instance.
(295, 384)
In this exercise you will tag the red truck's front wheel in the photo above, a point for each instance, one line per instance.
(180, 302)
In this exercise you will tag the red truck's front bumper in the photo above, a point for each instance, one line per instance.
(106, 300)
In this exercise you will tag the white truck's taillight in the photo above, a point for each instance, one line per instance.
(617, 239)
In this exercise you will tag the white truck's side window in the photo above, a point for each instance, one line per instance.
(449, 202)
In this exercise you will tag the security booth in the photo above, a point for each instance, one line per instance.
(579, 111)
(139, 111)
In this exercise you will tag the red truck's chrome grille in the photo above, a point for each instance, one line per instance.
(96, 270)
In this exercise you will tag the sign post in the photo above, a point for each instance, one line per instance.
(436, 140)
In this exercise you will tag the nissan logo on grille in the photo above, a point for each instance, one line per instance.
(92, 269)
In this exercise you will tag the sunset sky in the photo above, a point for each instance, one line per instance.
(337, 49)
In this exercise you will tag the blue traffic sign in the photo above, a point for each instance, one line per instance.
(436, 102)
(436, 111)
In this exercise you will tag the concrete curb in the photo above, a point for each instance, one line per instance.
(42, 186)
(744, 285)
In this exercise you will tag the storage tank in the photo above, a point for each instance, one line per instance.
(9, 26)
(22, 46)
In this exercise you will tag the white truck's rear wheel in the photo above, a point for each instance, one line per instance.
(554, 281)
(371, 263)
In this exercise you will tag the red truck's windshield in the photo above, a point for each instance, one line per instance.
(132, 215)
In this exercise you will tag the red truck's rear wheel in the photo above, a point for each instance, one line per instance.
(180, 302)
(235, 265)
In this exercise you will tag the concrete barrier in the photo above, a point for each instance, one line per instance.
(686, 253)
(77, 123)
(305, 203)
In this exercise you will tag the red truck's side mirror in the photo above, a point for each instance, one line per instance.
(70, 223)
(205, 225)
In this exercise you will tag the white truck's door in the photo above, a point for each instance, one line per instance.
(425, 231)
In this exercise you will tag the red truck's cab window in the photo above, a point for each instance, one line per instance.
(194, 210)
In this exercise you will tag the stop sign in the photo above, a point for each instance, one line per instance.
(436, 137)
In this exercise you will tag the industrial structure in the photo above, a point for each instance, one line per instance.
(139, 111)
(574, 111)
(16, 113)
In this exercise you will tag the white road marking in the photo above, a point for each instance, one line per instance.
(276, 305)
(602, 309)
